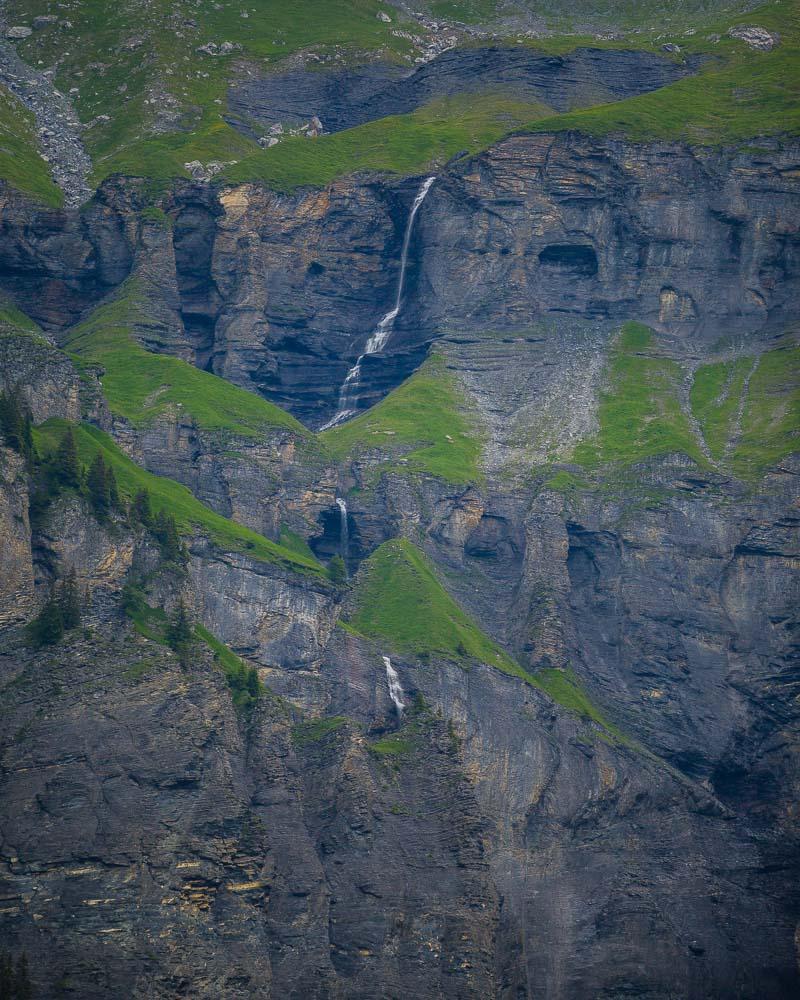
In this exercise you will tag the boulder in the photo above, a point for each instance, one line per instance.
(755, 37)
(20, 31)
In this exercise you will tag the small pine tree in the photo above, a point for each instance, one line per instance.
(113, 489)
(337, 571)
(141, 511)
(70, 601)
(22, 982)
(253, 683)
(97, 484)
(47, 628)
(6, 976)
(66, 466)
(166, 531)
(179, 633)
(16, 424)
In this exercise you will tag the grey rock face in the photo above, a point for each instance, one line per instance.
(344, 99)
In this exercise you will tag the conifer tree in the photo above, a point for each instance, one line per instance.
(16, 425)
(166, 531)
(67, 469)
(337, 571)
(70, 601)
(253, 683)
(113, 489)
(179, 633)
(141, 510)
(97, 483)
(47, 628)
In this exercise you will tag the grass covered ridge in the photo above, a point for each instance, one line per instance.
(422, 424)
(400, 144)
(770, 428)
(739, 94)
(190, 514)
(140, 385)
(400, 601)
(640, 414)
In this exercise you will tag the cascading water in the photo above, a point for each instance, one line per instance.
(395, 690)
(348, 394)
(344, 537)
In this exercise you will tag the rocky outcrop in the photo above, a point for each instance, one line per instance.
(346, 98)
(16, 560)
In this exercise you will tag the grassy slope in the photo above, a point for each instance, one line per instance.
(401, 604)
(639, 415)
(416, 419)
(140, 385)
(20, 161)
(715, 396)
(740, 94)
(122, 58)
(402, 144)
(771, 417)
(124, 64)
(189, 513)
(400, 601)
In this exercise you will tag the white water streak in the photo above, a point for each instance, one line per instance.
(395, 690)
(348, 394)
(343, 529)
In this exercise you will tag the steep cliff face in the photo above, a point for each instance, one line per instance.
(535, 732)
(279, 293)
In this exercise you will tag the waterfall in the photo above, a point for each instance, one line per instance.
(348, 394)
(395, 690)
(344, 537)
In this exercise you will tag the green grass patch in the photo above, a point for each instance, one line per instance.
(640, 415)
(422, 424)
(148, 621)
(242, 680)
(399, 601)
(739, 94)
(565, 690)
(771, 418)
(567, 483)
(165, 101)
(306, 733)
(399, 144)
(21, 163)
(190, 514)
(141, 386)
(715, 396)
(17, 320)
(392, 746)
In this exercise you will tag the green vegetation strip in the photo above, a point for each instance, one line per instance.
(739, 94)
(306, 733)
(400, 603)
(21, 163)
(423, 422)
(771, 419)
(716, 392)
(399, 144)
(640, 415)
(190, 514)
(140, 386)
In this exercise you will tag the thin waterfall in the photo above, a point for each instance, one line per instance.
(395, 690)
(344, 536)
(348, 394)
